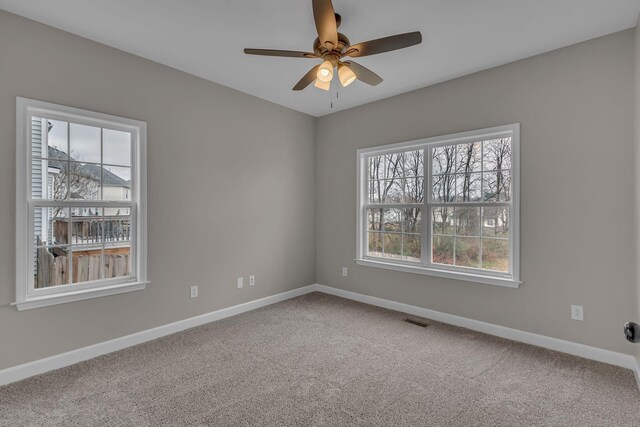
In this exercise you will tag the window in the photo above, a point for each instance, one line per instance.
(81, 204)
(444, 206)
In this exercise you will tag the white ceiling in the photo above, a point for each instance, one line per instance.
(206, 37)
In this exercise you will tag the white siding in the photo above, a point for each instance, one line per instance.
(36, 170)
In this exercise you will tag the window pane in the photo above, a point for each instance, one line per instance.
(117, 226)
(49, 179)
(84, 143)
(497, 154)
(374, 219)
(117, 260)
(497, 186)
(59, 225)
(412, 220)
(57, 140)
(468, 252)
(86, 264)
(467, 221)
(116, 147)
(414, 163)
(495, 222)
(394, 164)
(84, 181)
(468, 187)
(411, 247)
(495, 254)
(116, 183)
(50, 226)
(468, 157)
(392, 220)
(393, 191)
(443, 160)
(87, 227)
(375, 167)
(392, 245)
(443, 188)
(443, 221)
(375, 244)
(414, 190)
(442, 250)
(51, 267)
(375, 188)
(46, 180)
(396, 178)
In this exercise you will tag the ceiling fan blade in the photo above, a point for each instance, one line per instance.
(326, 25)
(307, 79)
(385, 44)
(364, 74)
(284, 53)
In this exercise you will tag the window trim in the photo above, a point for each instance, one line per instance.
(26, 298)
(511, 280)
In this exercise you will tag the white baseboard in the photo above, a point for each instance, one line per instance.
(17, 373)
(37, 367)
(582, 350)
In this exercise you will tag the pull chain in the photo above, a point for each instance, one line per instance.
(331, 95)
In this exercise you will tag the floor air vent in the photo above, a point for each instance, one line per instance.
(416, 322)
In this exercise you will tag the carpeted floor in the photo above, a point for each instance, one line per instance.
(323, 360)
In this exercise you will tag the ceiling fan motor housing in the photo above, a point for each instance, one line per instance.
(322, 51)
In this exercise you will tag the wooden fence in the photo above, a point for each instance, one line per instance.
(53, 267)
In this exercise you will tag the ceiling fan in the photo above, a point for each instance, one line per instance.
(332, 46)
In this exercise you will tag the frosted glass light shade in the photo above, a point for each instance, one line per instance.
(345, 75)
(325, 72)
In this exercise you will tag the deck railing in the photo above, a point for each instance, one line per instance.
(88, 230)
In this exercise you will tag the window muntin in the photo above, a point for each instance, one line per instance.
(83, 200)
(469, 209)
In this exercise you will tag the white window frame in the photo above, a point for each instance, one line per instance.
(27, 297)
(511, 279)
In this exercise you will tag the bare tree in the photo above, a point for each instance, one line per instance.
(497, 160)
(443, 179)
(72, 182)
(469, 162)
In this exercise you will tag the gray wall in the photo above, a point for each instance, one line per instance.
(231, 188)
(575, 110)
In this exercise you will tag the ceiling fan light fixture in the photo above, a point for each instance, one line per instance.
(322, 85)
(345, 75)
(325, 72)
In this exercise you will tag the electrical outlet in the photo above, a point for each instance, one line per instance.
(194, 292)
(577, 312)
(344, 272)
(252, 280)
(240, 282)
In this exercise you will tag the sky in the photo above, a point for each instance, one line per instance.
(84, 143)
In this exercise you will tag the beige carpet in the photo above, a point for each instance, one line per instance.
(322, 360)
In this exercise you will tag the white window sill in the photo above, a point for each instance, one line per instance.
(469, 277)
(79, 295)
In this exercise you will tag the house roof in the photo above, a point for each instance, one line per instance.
(88, 170)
